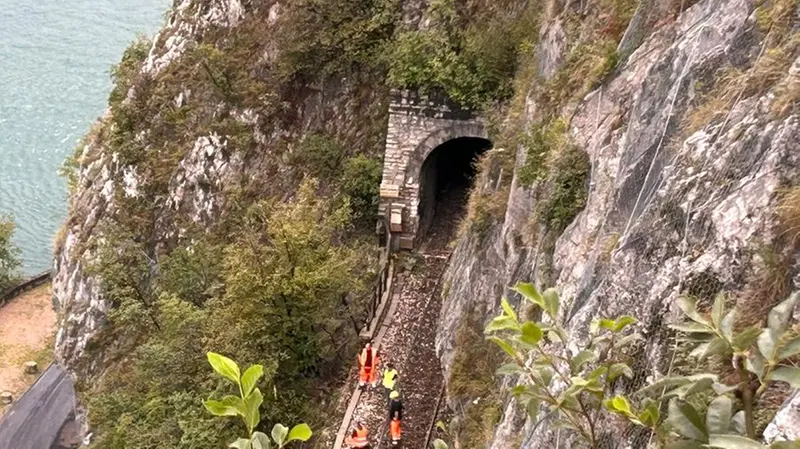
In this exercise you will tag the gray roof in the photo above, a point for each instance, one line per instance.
(36, 420)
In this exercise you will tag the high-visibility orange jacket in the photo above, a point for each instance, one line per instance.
(368, 373)
(360, 438)
(394, 430)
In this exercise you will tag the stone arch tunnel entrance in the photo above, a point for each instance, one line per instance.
(431, 146)
(445, 180)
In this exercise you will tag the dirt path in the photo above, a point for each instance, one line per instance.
(409, 342)
(27, 328)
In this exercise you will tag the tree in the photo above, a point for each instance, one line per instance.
(9, 254)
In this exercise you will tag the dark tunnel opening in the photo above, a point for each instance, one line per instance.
(445, 180)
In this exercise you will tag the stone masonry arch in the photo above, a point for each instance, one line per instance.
(417, 125)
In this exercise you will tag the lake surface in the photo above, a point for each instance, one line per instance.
(55, 57)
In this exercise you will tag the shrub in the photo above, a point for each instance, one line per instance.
(321, 155)
(360, 181)
(9, 254)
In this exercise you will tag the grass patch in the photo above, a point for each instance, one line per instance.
(489, 196)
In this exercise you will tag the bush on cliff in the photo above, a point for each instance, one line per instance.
(9, 255)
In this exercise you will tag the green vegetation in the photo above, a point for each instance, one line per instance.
(470, 53)
(9, 254)
(724, 418)
(472, 383)
(247, 405)
(360, 182)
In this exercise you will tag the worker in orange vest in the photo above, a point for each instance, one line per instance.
(368, 363)
(359, 438)
(394, 430)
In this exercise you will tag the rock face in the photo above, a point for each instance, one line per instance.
(196, 194)
(666, 213)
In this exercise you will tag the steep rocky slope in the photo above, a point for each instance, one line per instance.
(686, 178)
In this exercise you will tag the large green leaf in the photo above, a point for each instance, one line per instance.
(689, 307)
(718, 415)
(619, 369)
(789, 349)
(767, 343)
(551, 302)
(252, 403)
(509, 368)
(531, 333)
(785, 445)
(529, 292)
(684, 419)
(508, 309)
(228, 406)
(619, 404)
(279, 433)
(717, 310)
(780, 315)
(532, 407)
(300, 432)
(755, 363)
(717, 346)
(250, 378)
(727, 325)
(580, 359)
(733, 442)
(622, 322)
(241, 443)
(224, 366)
(788, 374)
(651, 413)
(744, 339)
(671, 382)
(439, 444)
(260, 440)
(501, 322)
(505, 346)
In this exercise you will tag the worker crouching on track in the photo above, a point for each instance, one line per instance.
(395, 432)
(368, 363)
(359, 438)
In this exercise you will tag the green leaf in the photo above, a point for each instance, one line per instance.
(532, 407)
(718, 415)
(508, 369)
(746, 338)
(684, 419)
(626, 340)
(224, 366)
(300, 432)
(651, 414)
(551, 302)
(696, 387)
(789, 349)
(767, 342)
(508, 309)
(689, 308)
(733, 442)
(668, 382)
(788, 374)
(622, 322)
(717, 310)
(727, 325)
(619, 369)
(717, 346)
(279, 432)
(618, 404)
(501, 322)
(690, 327)
(228, 406)
(505, 346)
(684, 444)
(529, 292)
(250, 377)
(439, 444)
(738, 422)
(252, 403)
(755, 363)
(531, 333)
(260, 440)
(580, 359)
(605, 323)
(241, 443)
(785, 445)
(780, 315)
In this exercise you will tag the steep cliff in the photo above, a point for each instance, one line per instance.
(691, 136)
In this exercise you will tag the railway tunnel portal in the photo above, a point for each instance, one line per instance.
(432, 145)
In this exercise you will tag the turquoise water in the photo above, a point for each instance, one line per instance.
(55, 57)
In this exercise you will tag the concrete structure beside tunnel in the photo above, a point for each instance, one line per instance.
(417, 125)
